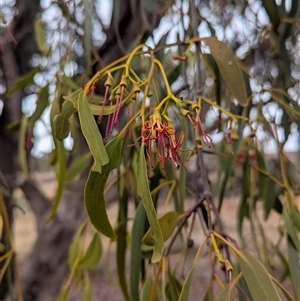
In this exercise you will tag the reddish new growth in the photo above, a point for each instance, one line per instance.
(162, 135)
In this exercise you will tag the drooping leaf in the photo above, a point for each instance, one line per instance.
(144, 192)
(147, 289)
(167, 223)
(77, 167)
(74, 248)
(62, 165)
(294, 266)
(257, 278)
(121, 233)
(41, 105)
(40, 35)
(94, 190)
(291, 229)
(91, 257)
(87, 288)
(173, 287)
(23, 81)
(136, 255)
(223, 294)
(61, 122)
(229, 69)
(64, 294)
(91, 134)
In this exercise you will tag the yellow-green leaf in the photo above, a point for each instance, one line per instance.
(257, 278)
(91, 257)
(64, 294)
(144, 192)
(167, 223)
(40, 35)
(229, 69)
(91, 134)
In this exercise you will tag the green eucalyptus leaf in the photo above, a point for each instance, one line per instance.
(91, 257)
(91, 134)
(257, 278)
(173, 287)
(144, 192)
(167, 223)
(74, 248)
(229, 69)
(61, 122)
(94, 190)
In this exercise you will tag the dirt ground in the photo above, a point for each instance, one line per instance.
(105, 288)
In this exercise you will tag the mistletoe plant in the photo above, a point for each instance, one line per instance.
(149, 134)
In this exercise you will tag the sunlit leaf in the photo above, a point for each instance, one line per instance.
(144, 192)
(91, 257)
(94, 190)
(229, 69)
(167, 223)
(257, 278)
(91, 134)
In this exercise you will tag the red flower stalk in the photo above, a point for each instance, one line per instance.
(206, 137)
(163, 136)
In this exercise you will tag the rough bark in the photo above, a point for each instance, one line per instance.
(44, 271)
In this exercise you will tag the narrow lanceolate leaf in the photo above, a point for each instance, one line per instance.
(91, 134)
(62, 165)
(40, 35)
(257, 278)
(41, 105)
(61, 122)
(91, 257)
(144, 192)
(136, 253)
(94, 190)
(294, 266)
(229, 69)
(77, 167)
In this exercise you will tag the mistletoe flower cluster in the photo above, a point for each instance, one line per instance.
(161, 136)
